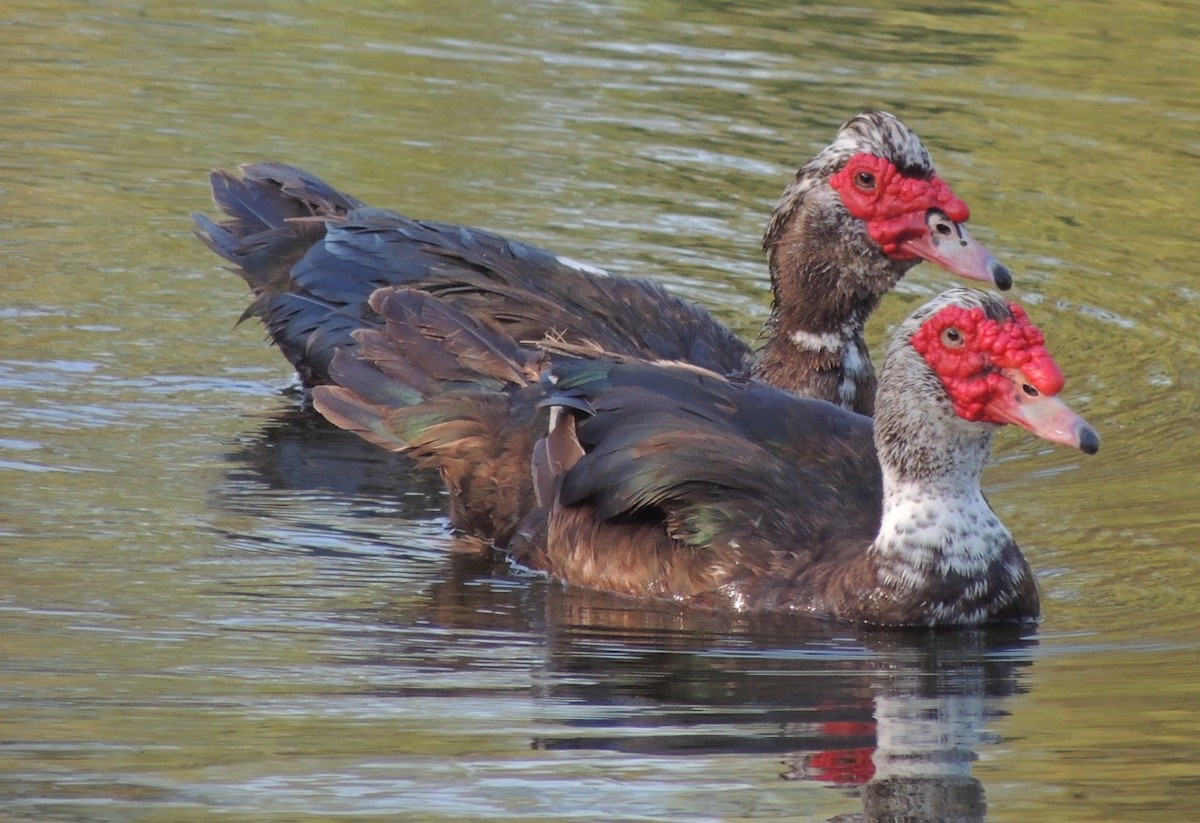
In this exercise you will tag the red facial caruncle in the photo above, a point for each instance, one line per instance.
(976, 358)
(892, 204)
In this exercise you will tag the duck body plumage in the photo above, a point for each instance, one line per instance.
(735, 495)
(664, 480)
(313, 255)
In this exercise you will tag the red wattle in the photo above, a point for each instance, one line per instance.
(972, 372)
(894, 208)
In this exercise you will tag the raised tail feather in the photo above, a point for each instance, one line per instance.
(270, 226)
(276, 215)
(268, 195)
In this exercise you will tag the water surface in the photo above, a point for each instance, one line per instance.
(215, 606)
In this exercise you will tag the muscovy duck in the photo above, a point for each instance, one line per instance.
(854, 220)
(668, 480)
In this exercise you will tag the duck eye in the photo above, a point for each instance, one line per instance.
(865, 180)
(952, 338)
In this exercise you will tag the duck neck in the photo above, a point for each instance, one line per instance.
(932, 530)
(825, 283)
(818, 350)
(940, 545)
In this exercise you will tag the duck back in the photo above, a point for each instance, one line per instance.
(312, 257)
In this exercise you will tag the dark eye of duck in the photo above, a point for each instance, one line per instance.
(865, 180)
(952, 338)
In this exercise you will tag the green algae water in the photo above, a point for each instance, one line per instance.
(215, 607)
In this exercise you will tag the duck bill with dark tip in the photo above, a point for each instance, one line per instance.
(936, 238)
(914, 218)
(1045, 415)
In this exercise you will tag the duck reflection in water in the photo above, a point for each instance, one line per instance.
(297, 452)
(894, 718)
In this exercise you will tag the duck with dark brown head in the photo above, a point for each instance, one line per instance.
(853, 221)
(666, 480)
(867, 209)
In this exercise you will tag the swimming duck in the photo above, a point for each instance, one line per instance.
(850, 224)
(669, 480)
